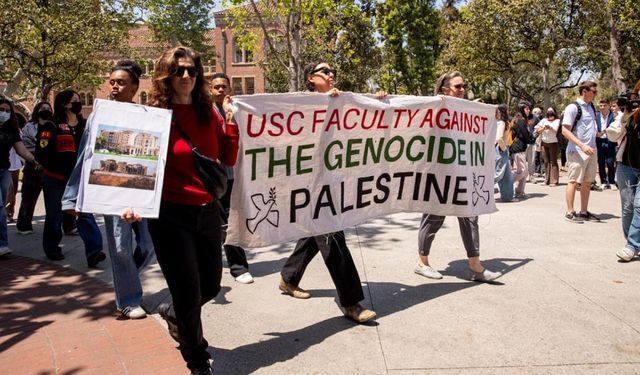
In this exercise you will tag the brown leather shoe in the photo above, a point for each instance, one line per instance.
(293, 290)
(357, 313)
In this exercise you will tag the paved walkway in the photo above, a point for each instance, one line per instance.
(564, 306)
(55, 320)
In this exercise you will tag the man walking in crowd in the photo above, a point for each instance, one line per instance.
(236, 257)
(606, 148)
(580, 129)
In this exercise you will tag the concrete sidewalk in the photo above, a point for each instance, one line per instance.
(564, 306)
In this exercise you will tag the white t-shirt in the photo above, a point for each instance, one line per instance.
(549, 134)
(586, 128)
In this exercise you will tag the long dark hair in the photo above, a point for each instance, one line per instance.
(503, 109)
(161, 91)
(12, 122)
(59, 111)
(36, 109)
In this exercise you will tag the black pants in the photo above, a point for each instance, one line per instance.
(236, 256)
(187, 244)
(338, 260)
(31, 188)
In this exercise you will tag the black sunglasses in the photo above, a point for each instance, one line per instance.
(460, 86)
(192, 71)
(326, 71)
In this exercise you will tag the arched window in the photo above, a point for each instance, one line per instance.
(143, 98)
(83, 98)
(89, 101)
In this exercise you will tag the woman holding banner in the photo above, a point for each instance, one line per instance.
(333, 247)
(451, 84)
(187, 233)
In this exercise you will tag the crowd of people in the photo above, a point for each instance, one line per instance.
(187, 238)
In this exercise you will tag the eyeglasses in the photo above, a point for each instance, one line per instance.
(460, 86)
(192, 71)
(594, 91)
(326, 71)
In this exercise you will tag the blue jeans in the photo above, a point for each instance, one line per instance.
(628, 179)
(5, 184)
(503, 176)
(126, 260)
(52, 190)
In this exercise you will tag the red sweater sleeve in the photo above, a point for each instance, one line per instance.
(228, 139)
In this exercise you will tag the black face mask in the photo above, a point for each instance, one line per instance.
(45, 115)
(76, 107)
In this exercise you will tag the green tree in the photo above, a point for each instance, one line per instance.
(53, 44)
(293, 33)
(410, 31)
(183, 22)
(532, 48)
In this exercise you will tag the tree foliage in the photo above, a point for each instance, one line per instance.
(54, 44)
(180, 22)
(531, 48)
(410, 31)
(295, 32)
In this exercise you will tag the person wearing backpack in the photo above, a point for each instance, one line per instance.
(606, 148)
(580, 127)
(518, 149)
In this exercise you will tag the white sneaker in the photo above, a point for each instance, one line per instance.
(134, 312)
(625, 254)
(427, 271)
(245, 278)
(5, 251)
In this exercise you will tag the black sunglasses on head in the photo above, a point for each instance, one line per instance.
(192, 71)
(326, 71)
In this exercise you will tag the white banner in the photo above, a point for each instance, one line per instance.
(124, 159)
(310, 163)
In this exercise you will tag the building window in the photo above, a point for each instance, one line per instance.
(236, 84)
(249, 85)
(241, 55)
(83, 98)
(143, 98)
(89, 101)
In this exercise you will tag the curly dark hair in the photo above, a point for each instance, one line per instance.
(161, 93)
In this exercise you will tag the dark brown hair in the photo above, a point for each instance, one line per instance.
(636, 90)
(161, 93)
(586, 85)
(13, 120)
(444, 81)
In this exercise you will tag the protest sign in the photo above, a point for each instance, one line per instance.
(124, 159)
(310, 163)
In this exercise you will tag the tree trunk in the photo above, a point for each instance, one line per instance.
(546, 100)
(295, 40)
(615, 54)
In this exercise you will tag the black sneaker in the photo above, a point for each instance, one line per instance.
(96, 258)
(573, 217)
(166, 312)
(588, 216)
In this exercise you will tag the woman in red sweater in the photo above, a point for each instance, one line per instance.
(187, 234)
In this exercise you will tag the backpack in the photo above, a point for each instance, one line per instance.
(579, 116)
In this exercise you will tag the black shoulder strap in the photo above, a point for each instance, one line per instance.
(578, 116)
(183, 134)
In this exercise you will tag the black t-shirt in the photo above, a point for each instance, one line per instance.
(631, 155)
(8, 137)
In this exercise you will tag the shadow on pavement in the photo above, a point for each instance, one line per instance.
(281, 347)
(390, 297)
(36, 294)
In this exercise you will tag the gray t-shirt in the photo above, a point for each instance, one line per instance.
(29, 133)
(586, 128)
